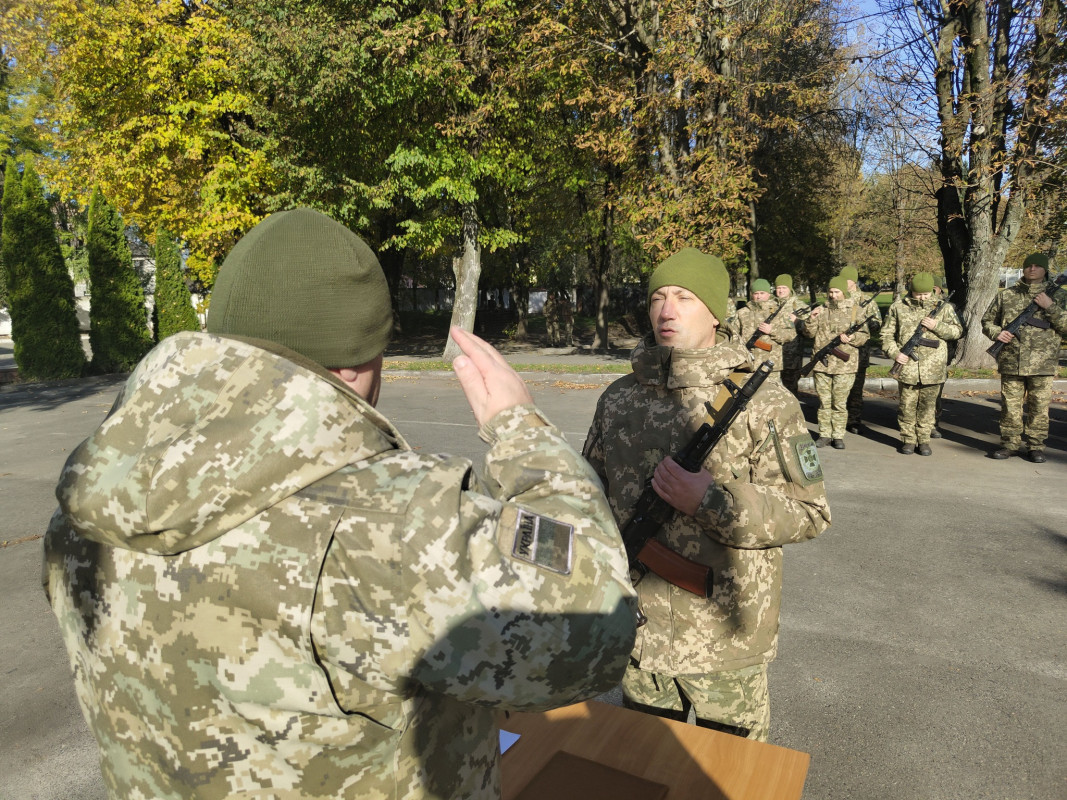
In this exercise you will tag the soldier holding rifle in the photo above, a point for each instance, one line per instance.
(793, 350)
(759, 489)
(915, 335)
(1027, 359)
(835, 373)
(858, 297)
(765, 326)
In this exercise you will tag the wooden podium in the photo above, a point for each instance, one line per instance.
(690, 762)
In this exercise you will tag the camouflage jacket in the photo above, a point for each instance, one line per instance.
(782, 329)
(1035, 351)
(266, 593)
(901, 321)
(873, 315)
(830, 324)
(793, 350)
(768, 492)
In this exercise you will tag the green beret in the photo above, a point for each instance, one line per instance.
(841, 283)
(304, 281)
(703, 275)
(785, 279)
(761, 285)
(1037, 258)
(851, 274)
(939, 281)
(922, 282)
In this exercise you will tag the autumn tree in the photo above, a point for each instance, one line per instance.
(990, 78)
(44, 323)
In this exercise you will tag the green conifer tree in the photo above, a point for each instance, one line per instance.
(118, 322)
(174, 310)
(9, 254)
(44, 323)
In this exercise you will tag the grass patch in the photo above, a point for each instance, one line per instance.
(562, 368)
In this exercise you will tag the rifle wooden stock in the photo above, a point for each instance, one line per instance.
(676, 569)
(833, 346)
(762, 345)
(1025, 316)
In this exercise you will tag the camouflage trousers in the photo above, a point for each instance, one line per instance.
(1024, 403)
(833, 394)
(917, 411)
(734, 701)
(854, 404)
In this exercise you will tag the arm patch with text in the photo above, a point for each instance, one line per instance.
(543, 542)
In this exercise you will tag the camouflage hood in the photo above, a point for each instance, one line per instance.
(208, 432)
(671, 368)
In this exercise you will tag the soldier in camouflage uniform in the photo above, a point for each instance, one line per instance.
(833, 379)
(854, 403)
(793, 350)
(752, 320)
(920, 381)
(265, 592)
(1029, 361)
(760, 488)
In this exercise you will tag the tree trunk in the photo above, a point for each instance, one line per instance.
(602, 261)
(467, 269)
(753, 263)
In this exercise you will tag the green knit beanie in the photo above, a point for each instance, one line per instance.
(304, 281)
(761, 285)
(939, 282)
(1037, 258)
(703, 275)
(785, 279)
(851, 274)
(922, 282)
(841, 283)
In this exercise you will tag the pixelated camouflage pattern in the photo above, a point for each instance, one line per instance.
(783, 330)
(738, 698)
(1024, 401)
(834, 320)
(871, 312)
(265, 593)
(833, 391)
(1034, 351)
(901, 320)
(917, 411)
(768, 492)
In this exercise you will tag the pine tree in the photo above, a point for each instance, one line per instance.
(174, 305)
(9, 254)
(44, 323)
(118, 322)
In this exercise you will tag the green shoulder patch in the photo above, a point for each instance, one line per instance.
(543, 542)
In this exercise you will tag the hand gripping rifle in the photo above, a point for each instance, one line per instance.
(1027, 317)
(833, 347)
(918, 338)
(755, 339)
(652, 512)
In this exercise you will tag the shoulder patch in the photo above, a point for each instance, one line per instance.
(543, 542)
(802, 448)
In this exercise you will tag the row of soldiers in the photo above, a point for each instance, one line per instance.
(916, 335)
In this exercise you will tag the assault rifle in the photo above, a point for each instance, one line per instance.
(652, 512)
(918, 338)
(1027, 317)
(754, 339)
(833, 347)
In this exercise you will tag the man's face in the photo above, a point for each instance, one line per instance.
(922, 297)
(836, 295)
(1033, 273)
(851, 286)
(760, 297)
(680, 319)
(782, 291)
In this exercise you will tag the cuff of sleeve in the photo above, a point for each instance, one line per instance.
(714, 508)
(512, 421)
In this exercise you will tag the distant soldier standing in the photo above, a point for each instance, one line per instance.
(858, 297)
(755, 319)
(920, 381)
(793, 350)
(833, 380)
(1029, 361)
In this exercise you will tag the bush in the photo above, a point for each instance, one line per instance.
(118, 322)
(44, 323)
(174, 310)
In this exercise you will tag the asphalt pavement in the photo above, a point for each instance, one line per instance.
(923, 649)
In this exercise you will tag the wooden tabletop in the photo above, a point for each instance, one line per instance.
(693, 762)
